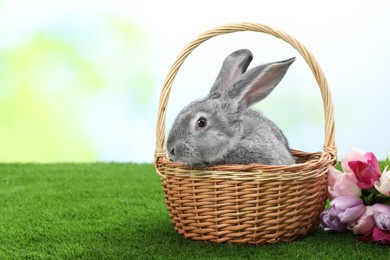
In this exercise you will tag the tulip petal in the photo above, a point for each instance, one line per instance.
(351, 155)
(352, 214)
(331, 222)
(365, 173)
(381, 236)
(383, 185)
(364, 224)
(381, 208)
(333, 175)
(381, 216)
(371, 159)
(340, 184)
(346, 201)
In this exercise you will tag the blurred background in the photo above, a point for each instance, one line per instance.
(80, 80)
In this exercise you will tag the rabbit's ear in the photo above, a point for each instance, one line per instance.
(233, 66)
(257, 83)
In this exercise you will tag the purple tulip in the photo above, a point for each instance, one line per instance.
(345, 210)
(331, 222)
(348, 208)
(382, 216)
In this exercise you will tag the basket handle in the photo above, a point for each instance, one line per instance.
(329, 142)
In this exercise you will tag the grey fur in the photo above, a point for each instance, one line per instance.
(234, 133)
(233, 66)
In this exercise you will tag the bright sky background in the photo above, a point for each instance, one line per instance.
(80, 80)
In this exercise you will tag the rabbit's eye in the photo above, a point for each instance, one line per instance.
(202, 122)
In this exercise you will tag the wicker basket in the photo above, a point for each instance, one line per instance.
(247, 203)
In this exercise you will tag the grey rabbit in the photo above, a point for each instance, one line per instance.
(222, 129)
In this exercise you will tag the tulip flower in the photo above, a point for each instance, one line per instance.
(383, 185)
(381, 213)
(381, 236)
(332, 222)
(364, 224)
(345, 209)
(376, 235)
(361, 183)
(348, 208)
(340, 184)
(366, 172)
(351, 155)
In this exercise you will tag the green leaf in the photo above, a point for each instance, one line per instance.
(383, 199)
(387, 162)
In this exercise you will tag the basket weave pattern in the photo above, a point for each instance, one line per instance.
(247, 203)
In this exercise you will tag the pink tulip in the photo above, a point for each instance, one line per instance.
(381, 236)
(364, 224)
(351, 155)
(383, 185)
(376, 235)
(340, 184)
(366, 172)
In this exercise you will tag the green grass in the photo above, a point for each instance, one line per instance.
(117, 211)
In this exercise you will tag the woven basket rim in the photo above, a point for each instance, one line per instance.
(329, 148)
(257, 172)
